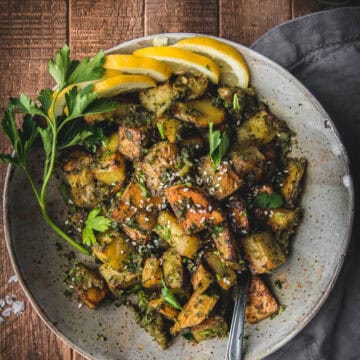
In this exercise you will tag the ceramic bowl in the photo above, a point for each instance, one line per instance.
(317, 252)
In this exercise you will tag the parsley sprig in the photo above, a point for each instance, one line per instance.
(218, 143)
(60, 131)
(93, 222)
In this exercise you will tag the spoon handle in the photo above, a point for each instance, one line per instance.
(235, 345)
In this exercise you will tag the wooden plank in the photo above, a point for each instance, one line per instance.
(304, 7)
(29, 34)
(196, 16)
(102, 24)
(245, 21)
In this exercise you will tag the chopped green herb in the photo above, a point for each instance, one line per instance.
(169, 296)
(236, 105)
(95, 222)
(160, 126)
(218, 143)
(265, 200)
(189, 336)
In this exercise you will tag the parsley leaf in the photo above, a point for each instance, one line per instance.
(265, 200)
(88, 69)
(27, 106)
(45, 98)
(218, 144)
(95, 222)
(59, 68)
(169, 296)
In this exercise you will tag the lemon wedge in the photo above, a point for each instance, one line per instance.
(233, 68)
(131, 64)
(123, 83)
(181, 60)
(109, 73)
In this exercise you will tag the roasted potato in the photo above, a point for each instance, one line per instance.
(160, 166)
(151, 274)
(226, 244)
(132, 142)
(192, 207)
(279, 219)
(221, 182)
(191, 87)
(118, 280)
(169, 229)
(136, 212)
(238, 215)
(262, 252)
(212, 327)
(81, 180)
(225, 275)
(198, 112)
(158, 99)
(260, 302)
(151, 321)
(89, 287)
(201, 279)
(164, 309)
(172, 127)
(173, 270)
(113, 249)
(195, 311)
(260, 129)
(291, 186)
(248, 162)
(110, 168)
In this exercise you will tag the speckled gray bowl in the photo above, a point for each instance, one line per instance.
(316, 256)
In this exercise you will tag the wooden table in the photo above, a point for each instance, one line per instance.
(31, 31)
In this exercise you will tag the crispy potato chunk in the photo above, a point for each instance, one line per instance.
(225, 275)
(279, 219)
(81, 179)
(113, 249)
(210, 328)
(158, 99)
(172, 128)
(226, 244)
(222, 182)
(174, 274)
(198, 112)
(191, 86)
(159, 166)
(169, 229)
(238, 215)
(260, 302)
(291, 187)
(262, 252)
(248, 162)
(151, 275)
(136, 212)
(89, 286)
(201, 279)
(132, 142)
(118, 280)
(195, 311)
(164, 309)
(192, 207)
(259, 129)
(110, 168)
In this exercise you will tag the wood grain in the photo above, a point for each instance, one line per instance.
(99, 24)
(244, 21)
(31, 31)
(195, 16)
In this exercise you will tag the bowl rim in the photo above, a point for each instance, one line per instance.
(350, 188)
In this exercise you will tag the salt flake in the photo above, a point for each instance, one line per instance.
(18, 307)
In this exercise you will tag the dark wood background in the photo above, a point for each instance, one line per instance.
(31, 31)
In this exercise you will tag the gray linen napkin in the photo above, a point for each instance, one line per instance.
(323, 51)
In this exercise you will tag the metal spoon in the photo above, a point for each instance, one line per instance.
(234, 349)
